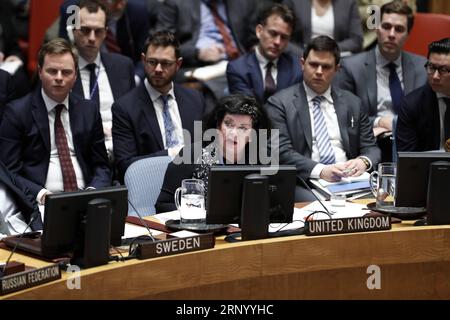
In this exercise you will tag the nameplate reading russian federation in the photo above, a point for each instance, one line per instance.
(175, 245)
(348, 225)
(29, 278)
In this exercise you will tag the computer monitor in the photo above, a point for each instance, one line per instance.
(412, 177)
(225, 185)
(64, 213)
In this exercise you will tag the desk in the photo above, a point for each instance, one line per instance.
(414, 262)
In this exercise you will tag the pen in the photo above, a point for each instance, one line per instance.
(352, 122)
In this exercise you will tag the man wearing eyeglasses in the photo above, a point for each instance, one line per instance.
(424, 118)
(103, 77)
(149, 121)
(382, 76)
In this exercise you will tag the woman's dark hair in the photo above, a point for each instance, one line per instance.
(238, 103)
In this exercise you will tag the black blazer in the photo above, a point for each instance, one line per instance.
(120, 72)
(25, 141)
(6, 90)
(418, 123)
(23, 198)
(135, 130)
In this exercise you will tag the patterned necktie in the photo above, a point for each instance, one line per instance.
(93, 83)
(269, 83)
(447, 125)
(68, 172)
(111, 42)
(171, 138)
(230, 48)
(395, 87)
(323, 139)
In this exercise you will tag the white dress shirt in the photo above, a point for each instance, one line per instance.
(262, 61)
(329, 113)
(384, 100)
(54, 182)
(174, 114)
(11, 219)
(104, 93)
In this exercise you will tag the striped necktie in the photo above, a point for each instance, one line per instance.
(323, 139)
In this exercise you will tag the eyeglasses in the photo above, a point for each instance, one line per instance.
(442, 70)
(388, 27)
(87, 31)
(165, 64)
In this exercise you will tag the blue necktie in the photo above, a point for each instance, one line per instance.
(171, 139)
(93, 83)
(323, 139)
(395, 87)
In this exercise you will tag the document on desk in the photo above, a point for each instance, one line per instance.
(133, 231)
(351, 210)
(347, 186)
(165, 216)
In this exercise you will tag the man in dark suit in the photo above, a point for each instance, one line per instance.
(268, 68)
(52, 140)
(6, 90)
(424, 119)
(128, 25)
(382, 76)
(150, 120)
(17, 206)
(323, 131)
(102, 77)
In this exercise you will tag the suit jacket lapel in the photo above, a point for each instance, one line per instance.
(78, 86)
(301, 104)
(408, 70)
(256, 76)
(112, 72)
(371, 72)
(148, 108)
(342, 117)
(40, 116)
(283, 77)
(76, 124)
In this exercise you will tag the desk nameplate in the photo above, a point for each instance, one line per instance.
(175, 245)
(29, 278)
(348, 225)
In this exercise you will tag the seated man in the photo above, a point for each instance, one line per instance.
(51, 139)
(424, 119)
(323, 131)
(103, 77)
(17, 206)
(380, 77)
(268, 68)
(149, 121)
(128, 24)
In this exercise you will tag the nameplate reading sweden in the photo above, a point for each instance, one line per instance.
(175, 245)
(348, 225)
(29, 278)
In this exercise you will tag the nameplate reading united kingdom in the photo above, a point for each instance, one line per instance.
(348, 225)
(175, 245)
(29, 278)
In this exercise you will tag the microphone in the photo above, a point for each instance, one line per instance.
(133, 248)
(315, 196)
(19, 240)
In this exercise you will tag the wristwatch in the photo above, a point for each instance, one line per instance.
(366, 162)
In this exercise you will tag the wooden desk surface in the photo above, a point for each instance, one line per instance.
(414, 264)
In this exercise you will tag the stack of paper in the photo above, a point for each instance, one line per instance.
(347, 186)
